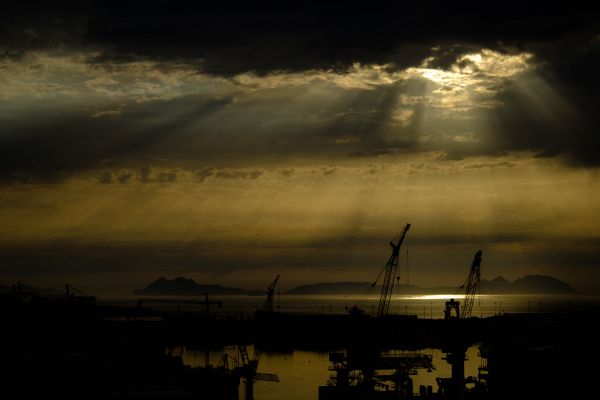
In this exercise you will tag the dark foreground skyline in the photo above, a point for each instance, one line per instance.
(232, 143)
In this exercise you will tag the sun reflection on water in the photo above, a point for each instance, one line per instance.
(436, 297)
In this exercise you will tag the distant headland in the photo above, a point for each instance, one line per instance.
(185, 286)
(530, 284)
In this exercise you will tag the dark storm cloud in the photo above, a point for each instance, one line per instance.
(25, 27)
(279, 36)
(551, 109)
(268, 36)
(186, 129)
(226, 39)
(47, 144)
(558, 115)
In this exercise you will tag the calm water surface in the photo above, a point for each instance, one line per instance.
(302, 372)
(423, 306)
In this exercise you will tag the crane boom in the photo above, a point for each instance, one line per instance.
(390, 273)
(471, 285)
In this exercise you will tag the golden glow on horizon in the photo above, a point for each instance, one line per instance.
(438, 297)
(445, 296)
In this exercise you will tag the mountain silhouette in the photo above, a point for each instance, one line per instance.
(529, 284)
(184, 286)
(541, 284)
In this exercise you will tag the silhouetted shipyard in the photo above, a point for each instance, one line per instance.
(68, 346)
(73, 347)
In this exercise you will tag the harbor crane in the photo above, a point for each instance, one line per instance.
(390, 273)
(247, 368)
(268, 306)
(456, 350)
(470, 287)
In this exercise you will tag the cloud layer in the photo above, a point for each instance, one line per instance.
(150, 136)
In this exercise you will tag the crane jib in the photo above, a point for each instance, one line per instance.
(390, 273)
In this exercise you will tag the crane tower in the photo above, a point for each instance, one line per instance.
(268, 306)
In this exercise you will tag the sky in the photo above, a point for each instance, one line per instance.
(230, 143)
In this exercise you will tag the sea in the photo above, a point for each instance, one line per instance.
(423, 306)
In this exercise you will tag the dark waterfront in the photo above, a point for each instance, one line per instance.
(76, 348)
